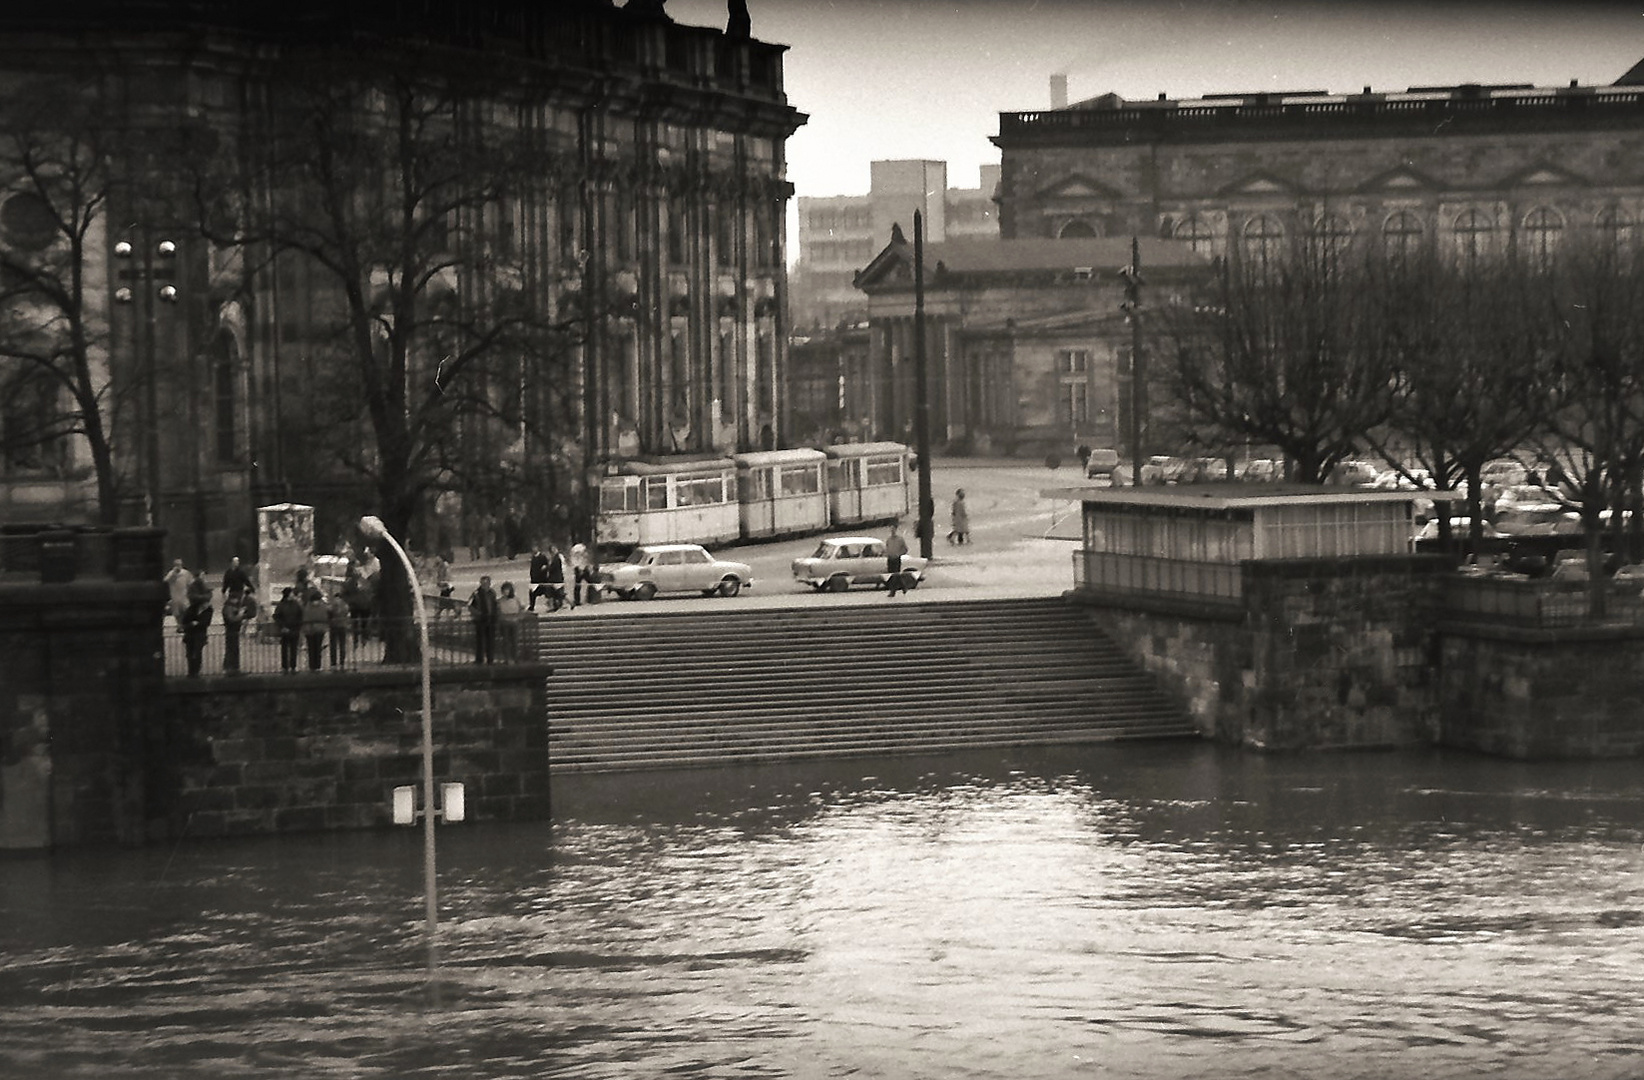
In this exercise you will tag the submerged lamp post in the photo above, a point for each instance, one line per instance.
(405, 811)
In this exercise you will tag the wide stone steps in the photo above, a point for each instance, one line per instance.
(648, 688)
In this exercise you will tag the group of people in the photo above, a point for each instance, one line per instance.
(190, 606)
(496, 618)
(548, 577)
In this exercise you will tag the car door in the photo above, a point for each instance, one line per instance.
(666, 571)
(870, 564)
(696, 570)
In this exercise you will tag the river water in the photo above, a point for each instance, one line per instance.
(1164, 910)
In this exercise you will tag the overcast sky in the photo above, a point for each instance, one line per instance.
(885, 79)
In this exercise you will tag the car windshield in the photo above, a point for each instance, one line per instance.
(639, 556)
(824, 550)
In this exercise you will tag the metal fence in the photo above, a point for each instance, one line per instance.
(258, 647)
(1146, 574)
(1541, 604)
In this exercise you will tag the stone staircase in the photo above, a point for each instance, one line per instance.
(652, 689)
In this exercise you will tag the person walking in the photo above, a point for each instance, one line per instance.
(316, 620)
(288, 618)
(960, 533)
(539, 578)
(895, 548)
(580, 567)
(238, 609)
(509, 613)
(556, 578)
(195, 624)
(482, 605)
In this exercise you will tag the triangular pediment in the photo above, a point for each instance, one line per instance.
(1545, 175)
(1079, 187)
(1259, 184)
(1399, 179)
(893, 264)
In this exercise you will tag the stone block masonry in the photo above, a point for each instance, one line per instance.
(275, 754)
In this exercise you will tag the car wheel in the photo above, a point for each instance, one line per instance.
(730, 587)
(838, 583)
(646, 591)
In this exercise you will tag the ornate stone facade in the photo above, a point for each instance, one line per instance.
(662, 214)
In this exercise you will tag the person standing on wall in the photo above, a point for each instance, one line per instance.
(288, 617)
(316, 621)
(238, 609)
(556, 578)
(509, 612)
(195, 623)
(177, 580)
(482, 605)
(580, 567)
(895, 548)
(338, 623)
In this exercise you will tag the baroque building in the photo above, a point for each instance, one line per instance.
(1474, 169)
(651, 235)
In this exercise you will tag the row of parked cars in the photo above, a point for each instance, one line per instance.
(837, 564)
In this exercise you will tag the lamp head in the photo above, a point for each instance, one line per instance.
(372, 525)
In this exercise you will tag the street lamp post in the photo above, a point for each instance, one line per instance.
(1132, 307)
(921, 404)
(373, 527)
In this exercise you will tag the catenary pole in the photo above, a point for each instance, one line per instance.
(921, 406)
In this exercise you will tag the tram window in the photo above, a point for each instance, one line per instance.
(619, 498)
(884, 470)
(755, 484)
(800, 480)
(656, 493)
(699, 490)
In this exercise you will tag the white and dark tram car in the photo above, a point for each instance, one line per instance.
(752, 496)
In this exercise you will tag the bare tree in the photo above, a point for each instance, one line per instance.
(56, 151)
(398, 194)
(1283, 350)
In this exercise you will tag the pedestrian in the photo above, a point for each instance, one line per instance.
(288, 619)
(960, 533)
(177, 580)
(316, 620)
(195, 623)
(482, 606)
(239, 608)
(539, 578)
(556, 578)
(353, 595)
(580, 566)
(895, 548)
(509, 613)
(337, 626)
(235, 581)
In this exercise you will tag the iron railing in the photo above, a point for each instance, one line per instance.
(260, 650)
(1146, 574)
(1541, 604)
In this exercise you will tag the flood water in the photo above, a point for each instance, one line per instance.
(1166, 910)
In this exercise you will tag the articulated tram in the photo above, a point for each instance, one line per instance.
(753, 496)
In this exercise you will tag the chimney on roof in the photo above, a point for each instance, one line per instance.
(1058, 91)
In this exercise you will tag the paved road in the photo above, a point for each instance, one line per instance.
(1022, 545)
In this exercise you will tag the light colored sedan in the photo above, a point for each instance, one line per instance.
(657, 568)
(842, 561)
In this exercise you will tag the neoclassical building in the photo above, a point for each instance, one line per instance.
(1476, 169)
(659, 226)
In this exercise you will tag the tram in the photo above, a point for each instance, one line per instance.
(867, 482)
(751, 496)
(782, 492)
(669, 502)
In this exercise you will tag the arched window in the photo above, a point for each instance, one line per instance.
(1200, 237)
(1076, 230)
(1401, 234)
(1614, 226)
(1475, 235)
(1263, 237)
(1543, 227)
(1331, 238)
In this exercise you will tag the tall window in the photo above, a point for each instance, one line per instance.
(1077, 230)
(1263, 237)
(1475, 235)
(1543, 227)
(1200, 237)
(1401, 235)
(225, 380)
(1073, 372)
(676, 229)
(1334, 236)
(1615, 227)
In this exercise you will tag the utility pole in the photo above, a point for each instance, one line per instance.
(921, 407)
(1132, 307)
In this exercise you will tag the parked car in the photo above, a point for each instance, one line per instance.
(654, 568)
(842, 561)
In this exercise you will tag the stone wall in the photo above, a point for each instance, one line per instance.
(1564, 693)
(273, 754)
(1320, 653)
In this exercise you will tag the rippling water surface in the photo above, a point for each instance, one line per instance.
(1140, 911)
